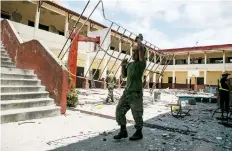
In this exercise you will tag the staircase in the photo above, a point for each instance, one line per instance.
(22, 95)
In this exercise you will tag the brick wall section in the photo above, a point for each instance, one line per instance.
(32, 55)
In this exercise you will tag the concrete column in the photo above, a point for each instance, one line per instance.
(147, 80)
(174, 60)
(105, 71)
(188, 58)
(118, 75)
(103, 74)
(160, 59)
(87, 64)
(148, 55)
(224, 60)
(154, 80)
(205, 77)
(66, 31)
(188, 82)
(224, 57)
(155, 58)
(160, 80)
(173, 79)
(88, 28)
(205, 58)
(131, 48)
(120, 45)
(37, 16)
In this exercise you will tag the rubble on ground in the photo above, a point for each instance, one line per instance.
(203, 129)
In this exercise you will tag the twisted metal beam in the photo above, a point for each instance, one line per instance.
(80, 29)
(99, 51)
(110, 55)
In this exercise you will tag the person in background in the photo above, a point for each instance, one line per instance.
(224, 93)
(111, 82)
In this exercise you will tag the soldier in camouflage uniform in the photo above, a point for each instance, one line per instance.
(111, 81)
(132, 97)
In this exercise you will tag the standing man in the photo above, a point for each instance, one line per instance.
(132, 97)
(111, 81)
(224, 93)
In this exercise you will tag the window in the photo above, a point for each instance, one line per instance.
(151, 58)
(228, 60)
(200, 80)
(170, 62)
(169, 79)
(61, 33)
(5, 15)
(96, 76)
(181, 61)
(80, 71)
(215, 60)
(123, 51)
(112, 48)
(43, 27)
(31, 23)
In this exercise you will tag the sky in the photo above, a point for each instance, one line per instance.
(165, 23)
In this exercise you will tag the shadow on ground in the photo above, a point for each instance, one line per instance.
(161, 133)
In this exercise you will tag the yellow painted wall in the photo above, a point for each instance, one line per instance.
(80, 62)
(201, 74)
(230, 72)
(182, 56)
(181, 77)
(214, 55)
(193, 79)
(26, 11)
(229, 54)
(212, 77)
(195, 56)
(166, 75)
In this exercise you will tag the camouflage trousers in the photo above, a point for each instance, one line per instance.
(133, 101)
(110, 95)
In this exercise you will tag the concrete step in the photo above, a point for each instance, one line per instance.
(16, 71)
(19, 88)
(11, 81)
(5, 59)
(3, 51)
(23, 95)
(29, 113)
(8, 64)
(18, 76)
(4, 54)
(28, 103)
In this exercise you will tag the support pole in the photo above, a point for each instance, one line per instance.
(72, 57)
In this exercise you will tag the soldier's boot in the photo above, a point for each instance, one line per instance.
(122, 133)
(137, 135)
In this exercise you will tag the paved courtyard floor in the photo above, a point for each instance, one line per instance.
(84, 130)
